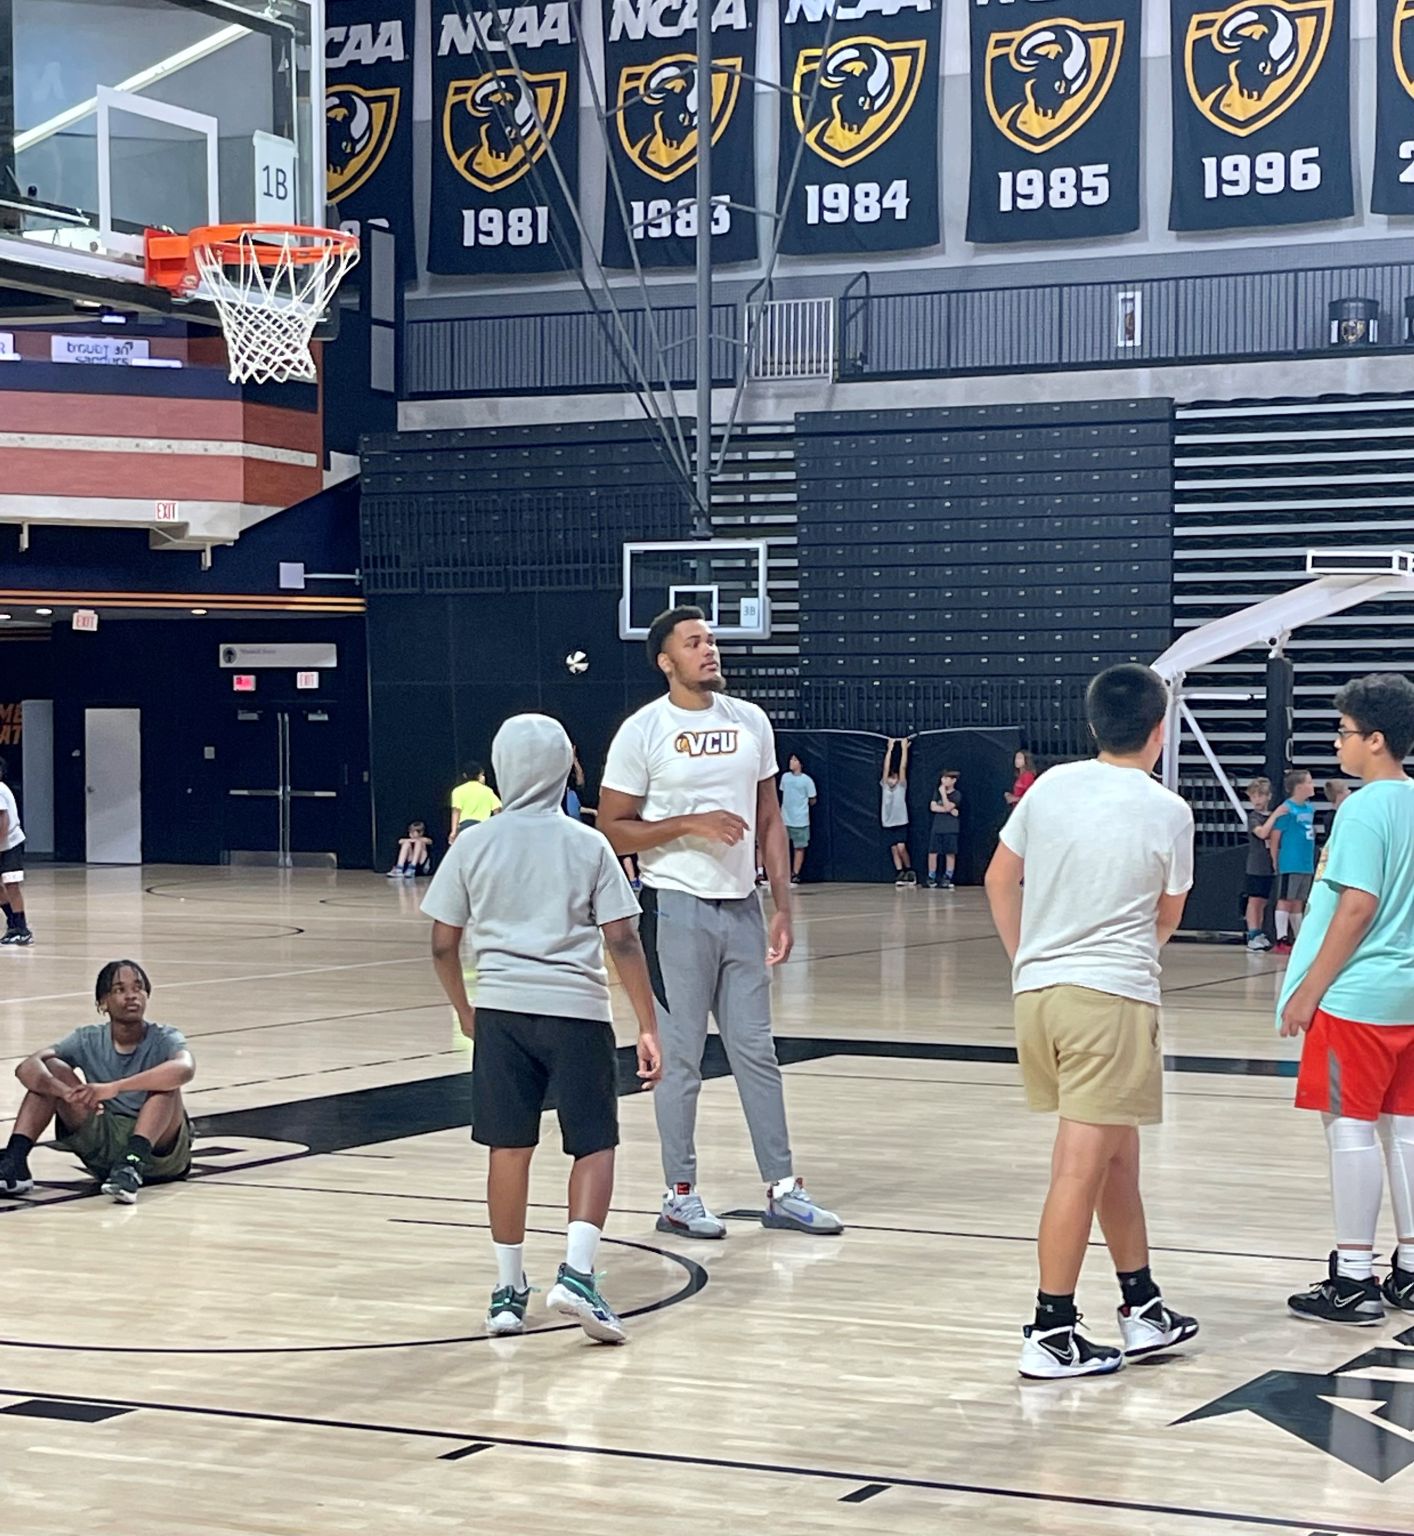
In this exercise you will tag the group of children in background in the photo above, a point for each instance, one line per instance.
(1282, 857)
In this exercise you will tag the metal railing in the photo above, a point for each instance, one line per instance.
(791, 338)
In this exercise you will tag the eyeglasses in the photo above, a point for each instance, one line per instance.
(1342, 731)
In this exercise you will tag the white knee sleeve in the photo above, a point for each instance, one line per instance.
(1397, 1132)
(1357, 1178)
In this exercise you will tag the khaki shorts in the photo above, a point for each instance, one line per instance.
(102, 1140)
(1095, 1057)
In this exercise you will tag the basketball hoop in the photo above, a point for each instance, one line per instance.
(271, 285)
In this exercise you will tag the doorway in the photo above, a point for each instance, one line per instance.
(285, 785)
(113, 786)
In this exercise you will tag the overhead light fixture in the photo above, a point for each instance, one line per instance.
(199, 612)
(3, 617)
(44, 612)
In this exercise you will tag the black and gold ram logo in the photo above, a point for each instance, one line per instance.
(1247, 64)
(863, 89)
(1403, 44)
(1045, 82)
(495, 127)
(359, 126)
(660, 105)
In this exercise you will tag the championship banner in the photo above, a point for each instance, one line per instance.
(655, 99)
(1055, 123)
(368, 64)
(1261, 113)
(1392, 188)
(505, 91)
(864, 93)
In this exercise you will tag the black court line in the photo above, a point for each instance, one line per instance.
(861, 1495)
(466, 1450)
(69, 1412)
(723, 1464)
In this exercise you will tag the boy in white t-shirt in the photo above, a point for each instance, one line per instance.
(1086, 979)
(12, 868)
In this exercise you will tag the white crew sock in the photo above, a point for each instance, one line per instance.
(1283, 921)
(582, 1246)
(1296, 923)
(1357, 1187)
(510, 1265)
(783, 1186)
(1397, 1133)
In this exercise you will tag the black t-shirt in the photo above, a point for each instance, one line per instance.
(942, 820)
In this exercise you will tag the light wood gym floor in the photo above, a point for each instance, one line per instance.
(291, 1344)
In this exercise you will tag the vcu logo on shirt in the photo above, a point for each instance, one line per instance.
(707, 743)
(660, 105)
(1247, 64)
(359, 124)
(498, 125)
(1045, 81)
(864, 89)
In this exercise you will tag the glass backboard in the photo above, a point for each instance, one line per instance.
(726, 578)
(129, 114)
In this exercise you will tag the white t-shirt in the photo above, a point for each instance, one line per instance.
(15, 835)
(1101, 845)
(686, 761)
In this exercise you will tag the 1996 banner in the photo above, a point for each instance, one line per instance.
(505, 94)
(1261, 113)
(1055, 121)
(860, 83)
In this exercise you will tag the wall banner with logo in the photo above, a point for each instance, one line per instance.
(505, 89)
(1392, 189)
(1261, 113)
(864, 93)
(368, 64)
(655, 99)
(1055, 123)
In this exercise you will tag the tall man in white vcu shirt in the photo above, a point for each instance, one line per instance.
(690, 789)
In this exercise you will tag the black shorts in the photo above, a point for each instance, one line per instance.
(1295, 887)
(1258, 888)
(893, 836)
(12, 864)
(526, 1063)
(942, 842)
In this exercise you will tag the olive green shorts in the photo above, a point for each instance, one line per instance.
(102, 1140)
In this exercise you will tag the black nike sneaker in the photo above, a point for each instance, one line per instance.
(1053, 1353)
(1398, 1289)
(1339, 1299)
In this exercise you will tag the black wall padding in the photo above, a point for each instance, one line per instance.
(846, 838)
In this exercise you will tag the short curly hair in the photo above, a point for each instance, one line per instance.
(108, 976)
(1383, 702)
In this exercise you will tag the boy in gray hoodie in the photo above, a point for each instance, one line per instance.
(536, 889)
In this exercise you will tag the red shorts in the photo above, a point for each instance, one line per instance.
(1361, 1071)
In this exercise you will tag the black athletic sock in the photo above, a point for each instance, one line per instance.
(18, 1149)
(139, 1147)
(1138, 1287)
(9, 912)
(1055, 1311)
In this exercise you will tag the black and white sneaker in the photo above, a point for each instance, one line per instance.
(1055, 1353)
(18, 938)
(14, 1177)
(1148, 1329)
(1398, 1289)
(1338, 1299)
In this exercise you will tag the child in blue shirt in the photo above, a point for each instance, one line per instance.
(1291, 834)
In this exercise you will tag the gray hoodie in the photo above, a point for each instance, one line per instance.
(533, 887)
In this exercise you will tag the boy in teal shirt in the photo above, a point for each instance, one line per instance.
(1292, 832)
(1350, 990)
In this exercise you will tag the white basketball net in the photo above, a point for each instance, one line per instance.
(270, 294)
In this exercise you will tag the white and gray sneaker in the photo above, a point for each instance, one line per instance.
(1055, 1353)
(685, 1215)
(1146, 1330)
(793, 1209)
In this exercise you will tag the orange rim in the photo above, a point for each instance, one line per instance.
(170, 258)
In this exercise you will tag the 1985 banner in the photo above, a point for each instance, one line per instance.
(861, 85)
(1055, 122)
(505, 90)
(1392, 188)
(658, 103)
(1261, 113)
(368, 61)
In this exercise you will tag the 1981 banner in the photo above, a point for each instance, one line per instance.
(1392, 187)
(657, 100)
(1055, 122)
(861, 85)
(505, 90)
(368, 62)
(1261, 113)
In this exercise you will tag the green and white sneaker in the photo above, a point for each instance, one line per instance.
(124, 1181)
(507, 1312)
(577, 1296)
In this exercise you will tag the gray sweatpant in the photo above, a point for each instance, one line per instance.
(709, 957)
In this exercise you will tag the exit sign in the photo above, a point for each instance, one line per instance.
(244, 682)
(85, 620)
(306, 680)
(169, 511)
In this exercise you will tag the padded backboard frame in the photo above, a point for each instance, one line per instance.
(724, 577)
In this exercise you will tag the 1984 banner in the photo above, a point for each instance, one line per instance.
(1055, 122)
(658, 103)
(505, 92)
(1261, 113)
(861, 85)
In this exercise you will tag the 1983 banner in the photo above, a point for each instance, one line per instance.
(1261, 113)
(861, 85)
(505, 91)
(1055, 122)
(368, 63)
(658, 102)
(1392, 188)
